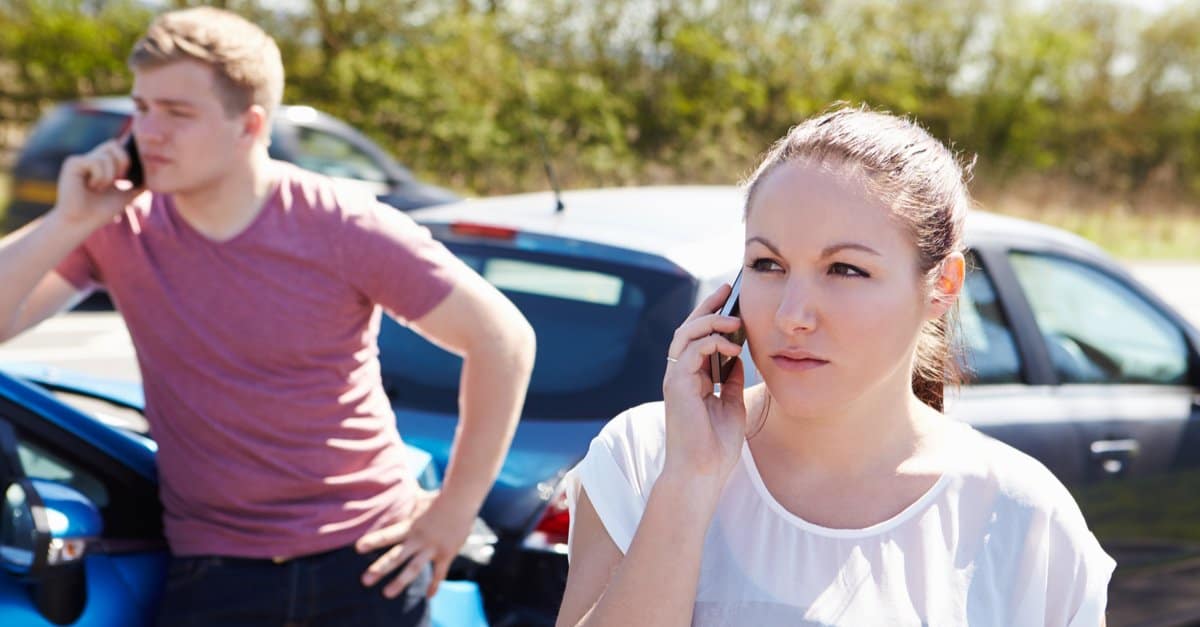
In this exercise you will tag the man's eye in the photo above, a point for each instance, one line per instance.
(847, 270)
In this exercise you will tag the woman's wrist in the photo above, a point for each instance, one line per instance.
(695, 494)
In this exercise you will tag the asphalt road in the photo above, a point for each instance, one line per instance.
(97, 342)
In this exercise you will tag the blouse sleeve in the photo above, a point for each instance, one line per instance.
(1085, 569)
(618, 471)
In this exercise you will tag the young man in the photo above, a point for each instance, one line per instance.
(252, 291)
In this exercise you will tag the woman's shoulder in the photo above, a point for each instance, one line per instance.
(636, 440)
(1011, 479)
(640, 426)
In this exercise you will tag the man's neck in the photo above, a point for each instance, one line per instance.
(224, 208)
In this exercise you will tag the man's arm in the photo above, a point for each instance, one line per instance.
(29, 289)
(497, 346)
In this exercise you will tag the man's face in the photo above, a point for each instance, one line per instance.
(186, 138)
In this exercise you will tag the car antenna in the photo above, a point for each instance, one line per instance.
(559, 207)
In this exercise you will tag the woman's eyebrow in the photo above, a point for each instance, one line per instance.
(835, 248)
(826, 252)
(764, 242)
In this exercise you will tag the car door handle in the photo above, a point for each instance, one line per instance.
(1110, 448)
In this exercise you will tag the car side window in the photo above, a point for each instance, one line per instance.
(38, 463)
(990, 353)
(331, 155)
(1097, 329)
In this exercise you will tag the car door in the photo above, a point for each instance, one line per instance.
(1008, 385)
(1124, 370)
(126, 566)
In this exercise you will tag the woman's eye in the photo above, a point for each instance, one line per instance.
(844, 269)
(764, 265)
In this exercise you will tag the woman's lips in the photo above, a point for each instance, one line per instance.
(797, 364)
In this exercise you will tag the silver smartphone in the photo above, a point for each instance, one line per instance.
(719, 364)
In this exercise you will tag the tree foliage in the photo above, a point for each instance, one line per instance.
(625, 91)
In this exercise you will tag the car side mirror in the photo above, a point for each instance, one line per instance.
(45, 528)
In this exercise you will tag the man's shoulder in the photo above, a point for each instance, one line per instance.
(306, 194)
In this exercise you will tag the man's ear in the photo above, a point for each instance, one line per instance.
(256, 124)
(947, 285)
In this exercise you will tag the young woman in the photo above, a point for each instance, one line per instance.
(836, 492)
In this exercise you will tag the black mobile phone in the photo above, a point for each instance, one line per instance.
(719, 364)
(134, 174)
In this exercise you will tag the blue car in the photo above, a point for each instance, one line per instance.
(80, 523)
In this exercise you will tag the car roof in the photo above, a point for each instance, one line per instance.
(697, 227)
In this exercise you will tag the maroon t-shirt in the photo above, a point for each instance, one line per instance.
(259, 361)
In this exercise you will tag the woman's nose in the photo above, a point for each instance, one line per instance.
(797, 311)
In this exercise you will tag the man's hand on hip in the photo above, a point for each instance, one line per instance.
(434, 534)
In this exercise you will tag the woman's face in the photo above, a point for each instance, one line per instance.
(832, 299)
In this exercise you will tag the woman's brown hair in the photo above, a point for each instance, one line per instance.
(923, 183)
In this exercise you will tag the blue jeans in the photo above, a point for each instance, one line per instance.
(312, 591)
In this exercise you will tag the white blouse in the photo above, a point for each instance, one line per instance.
(996, 541)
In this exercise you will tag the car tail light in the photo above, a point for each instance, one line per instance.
(550, 533)
(473, 229)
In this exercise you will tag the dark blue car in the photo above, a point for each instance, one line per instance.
(80, 523)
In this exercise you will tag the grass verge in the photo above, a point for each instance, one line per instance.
(1144, 226)
(1126, 235)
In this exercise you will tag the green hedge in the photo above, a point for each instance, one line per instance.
(628, 91)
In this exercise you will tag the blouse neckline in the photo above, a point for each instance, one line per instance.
(912, 510)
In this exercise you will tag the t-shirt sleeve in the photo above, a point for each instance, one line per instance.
(79, 269)
(395, 262)
(619, 470)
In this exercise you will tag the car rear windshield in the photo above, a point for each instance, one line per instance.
(602, 334)
(69, 130)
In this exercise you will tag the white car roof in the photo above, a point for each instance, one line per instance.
(699, 228)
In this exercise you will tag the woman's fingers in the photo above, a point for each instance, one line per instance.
(695, 357)
(710, 304)
(699, 328)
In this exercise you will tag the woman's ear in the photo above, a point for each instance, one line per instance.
(947, 285)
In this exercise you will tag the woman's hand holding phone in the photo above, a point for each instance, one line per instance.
(704, 431)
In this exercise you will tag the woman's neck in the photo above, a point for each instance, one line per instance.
(885, 431)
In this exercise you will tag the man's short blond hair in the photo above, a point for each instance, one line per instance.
(247, 67)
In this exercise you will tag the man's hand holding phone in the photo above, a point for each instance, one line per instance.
(95, 187)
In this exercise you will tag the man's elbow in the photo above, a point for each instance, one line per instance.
(521, 342)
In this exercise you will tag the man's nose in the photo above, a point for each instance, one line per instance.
(148, 128)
